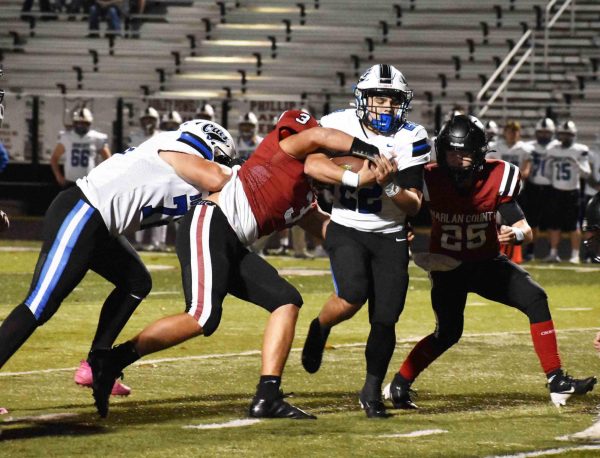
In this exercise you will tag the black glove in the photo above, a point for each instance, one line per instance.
(363, 150)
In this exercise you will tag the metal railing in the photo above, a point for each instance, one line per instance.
(528, 36)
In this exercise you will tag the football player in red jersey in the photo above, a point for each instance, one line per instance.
(465, 191)
(271, 191)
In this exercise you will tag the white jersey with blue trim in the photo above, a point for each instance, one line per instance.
(568, 165)
(138, 189)
(539, 160)
(82, 152)
(368, 209)
(594, 159)
(516, 154)
(245, 149)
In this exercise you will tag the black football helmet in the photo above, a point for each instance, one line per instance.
(463, 133)
(591, 228)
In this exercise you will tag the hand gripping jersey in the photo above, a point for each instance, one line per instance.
(81, 152)
(464, 223)
(539, 159)
(274, 183)
(565, 165)
(138, 189)
(367, 208)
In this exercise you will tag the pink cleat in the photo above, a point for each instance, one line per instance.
(3, 411)
(83, 377)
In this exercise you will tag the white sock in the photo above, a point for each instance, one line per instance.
(553, 251)
(574, 253)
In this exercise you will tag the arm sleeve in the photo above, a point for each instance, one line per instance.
(411, 177)
(511, 212)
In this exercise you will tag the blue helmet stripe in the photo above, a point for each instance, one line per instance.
(197, 143)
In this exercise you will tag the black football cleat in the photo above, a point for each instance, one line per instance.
(374, 408)
(562, 386)
(399, 393)
(104, 373)
(277, 408)
(312, 353)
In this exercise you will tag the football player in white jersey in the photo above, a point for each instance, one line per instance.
(205, 111)
(491, 132)
(149, 120)
(81, 147)
(248, 138)
(536, 192)
(367, 238)
(511, 148)
(84, 228)
(155, 236)
(567, 163)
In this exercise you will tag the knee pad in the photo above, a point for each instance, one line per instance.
(538, 310)
(139, 284)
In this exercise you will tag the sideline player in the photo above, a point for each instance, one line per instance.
(568, 163)
(269, 192)
(366, 239)
(81, 147)
(465, 190)
(84, 226)
(537, 191)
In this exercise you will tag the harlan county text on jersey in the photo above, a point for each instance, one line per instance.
(462, 218)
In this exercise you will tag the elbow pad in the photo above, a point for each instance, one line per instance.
(363, 150)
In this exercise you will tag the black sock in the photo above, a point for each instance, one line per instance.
(379, 351)
(268, 387)
(117, 309)
(15, 330)
(324, 329)
(122, 355)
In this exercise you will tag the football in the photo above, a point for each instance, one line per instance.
(351, 163)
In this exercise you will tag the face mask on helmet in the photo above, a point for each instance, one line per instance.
(81, 128)
(382, 99)
(461, 147)
(219, 139)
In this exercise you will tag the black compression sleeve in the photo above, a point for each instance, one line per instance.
(511, 212)
(411, 177)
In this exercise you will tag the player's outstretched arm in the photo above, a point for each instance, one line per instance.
(324, 138)
(197, 171)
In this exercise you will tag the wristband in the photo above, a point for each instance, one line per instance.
(391, 189)
(363, 149)
(519, 236)
(350, 178)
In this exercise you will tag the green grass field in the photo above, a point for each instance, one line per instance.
(486, 396)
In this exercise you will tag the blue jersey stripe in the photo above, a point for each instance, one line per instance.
(63, 256)
(420, 148)
(197, 143)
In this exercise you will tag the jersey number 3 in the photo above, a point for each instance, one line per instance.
(452, 236)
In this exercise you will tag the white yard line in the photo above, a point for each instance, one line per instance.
(424, 432)
(229, 424)
(44, 417)
(552, 451)
(257, 352)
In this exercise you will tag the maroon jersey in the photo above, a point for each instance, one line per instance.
(278, 191)
(464, 222)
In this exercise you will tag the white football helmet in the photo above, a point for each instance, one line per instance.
(545, 124)
(205, 111)
(171, 120)
(567, 127)
(83, 115)
(385, 81)
(214, 135)
(491, 129)
(149, 119)
(248, 125)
